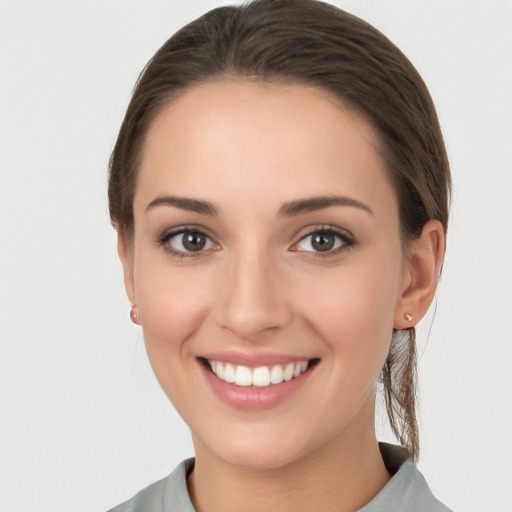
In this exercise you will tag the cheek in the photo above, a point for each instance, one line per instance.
(352, 309)
(173, 303)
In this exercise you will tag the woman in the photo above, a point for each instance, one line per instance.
(280, 191)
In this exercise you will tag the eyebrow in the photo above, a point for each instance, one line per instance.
(185, 203)
(289, 209)
(319, 203)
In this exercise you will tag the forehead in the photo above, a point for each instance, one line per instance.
(262, 140)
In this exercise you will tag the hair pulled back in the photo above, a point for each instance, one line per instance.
(313, 43)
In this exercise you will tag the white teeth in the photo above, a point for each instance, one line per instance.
(220, 371)
(288, 372)
(229, 373)
(262, 376)
(243, 376)
(276, 374)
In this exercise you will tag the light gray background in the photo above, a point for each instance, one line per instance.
(83, 423)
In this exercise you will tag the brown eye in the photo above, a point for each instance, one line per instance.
(327, 240)
(322, 242)
(185, 243)
(193, 241)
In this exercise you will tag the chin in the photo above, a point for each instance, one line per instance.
(258, 449)
(259, 459)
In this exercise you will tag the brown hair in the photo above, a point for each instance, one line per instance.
(314, 43)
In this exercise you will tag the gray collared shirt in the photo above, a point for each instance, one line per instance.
(407, 491)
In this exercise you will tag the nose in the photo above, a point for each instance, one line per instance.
(253, 300)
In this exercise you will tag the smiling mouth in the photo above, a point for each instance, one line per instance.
(261, 376)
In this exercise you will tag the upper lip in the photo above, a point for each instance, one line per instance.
(254, 360)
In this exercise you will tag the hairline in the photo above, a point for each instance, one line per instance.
(277, 79)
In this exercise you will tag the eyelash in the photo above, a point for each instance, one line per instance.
(346, 239)
(169, 235)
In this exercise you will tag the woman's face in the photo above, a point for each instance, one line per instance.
(266, 236)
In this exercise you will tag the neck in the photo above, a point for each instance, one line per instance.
(342, 475)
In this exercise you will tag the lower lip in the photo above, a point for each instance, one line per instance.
(254, 398)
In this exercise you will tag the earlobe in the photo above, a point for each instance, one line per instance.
(126, 257)
(424, 261)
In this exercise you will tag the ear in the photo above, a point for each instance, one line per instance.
(126, 257)
(421, 273)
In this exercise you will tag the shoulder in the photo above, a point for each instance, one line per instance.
(416, 492)
(166, 495)
(149, 499)
(407, 490)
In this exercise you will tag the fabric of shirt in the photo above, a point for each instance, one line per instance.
(407, 491)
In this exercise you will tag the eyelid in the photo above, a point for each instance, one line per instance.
(169, 234)
(348, 240)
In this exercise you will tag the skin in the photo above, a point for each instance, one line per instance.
(259, 286)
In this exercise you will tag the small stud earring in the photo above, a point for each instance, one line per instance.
(133, 314)
(408, 317)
